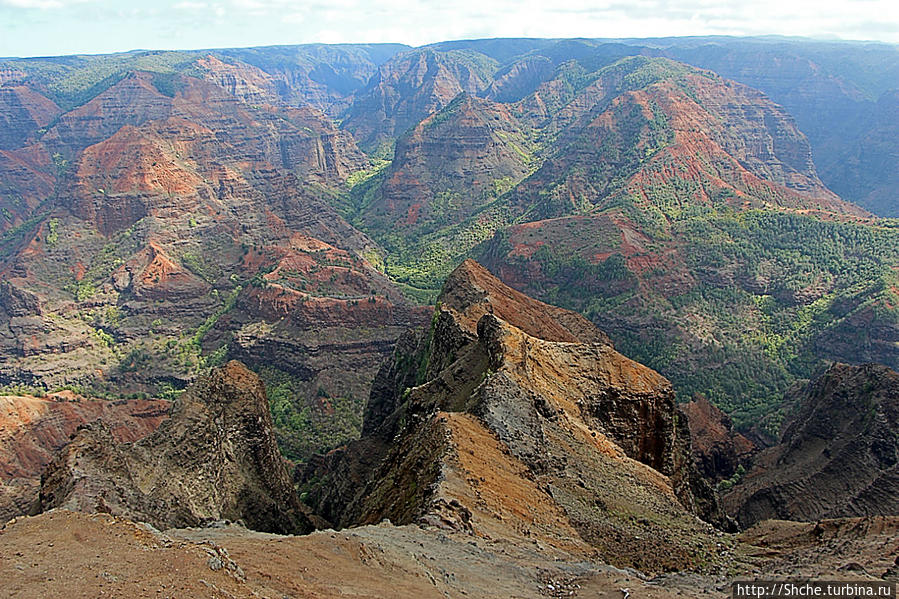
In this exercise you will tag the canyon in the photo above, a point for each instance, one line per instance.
(514, 317)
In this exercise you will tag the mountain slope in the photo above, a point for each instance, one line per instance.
(155, 215)
(842, 96)
(478, 425)
(215, 458)
(840, 93)
(660, 200)
(679, 210)
(846, 417)
(411, 86)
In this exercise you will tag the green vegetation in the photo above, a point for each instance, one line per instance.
(23, 389)
(168, 84)
(481, 65)
(768, 292)
(71, 81)
(358, 177)
(727, 484)
(200, 266)
(207, 325)
(81, 290)
(168, 391)
(105, 338)
(307, 419)
(423, 263)
(60, 164)
(216, 357)
(53, 232)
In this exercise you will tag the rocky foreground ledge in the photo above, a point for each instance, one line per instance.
(71, 555)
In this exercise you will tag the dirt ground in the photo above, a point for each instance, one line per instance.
(70, 555)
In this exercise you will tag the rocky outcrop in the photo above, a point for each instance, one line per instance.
(214, 459)
(881, 335)
(717, 448)
(478, 425)
(686, 139)
(16, 301)
(408, 88)
(839, 457)
(325, 76)
(448, 166)
(33, 429)
(323, 320)
(471, 291)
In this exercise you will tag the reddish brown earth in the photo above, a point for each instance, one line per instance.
(28, 180)
(33, 429)
(187, 219)
(407, 89)
(56, 555)
(717, 448)
(167, 193)
(857, 548)
(558, 441)
(611, 231)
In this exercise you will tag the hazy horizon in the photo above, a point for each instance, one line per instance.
(649, 40)
(37, 28)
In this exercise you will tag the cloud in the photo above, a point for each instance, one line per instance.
(430, 21)
(43, 4)
(191, 6)
(33, 4)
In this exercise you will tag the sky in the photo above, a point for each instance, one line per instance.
(56, 27)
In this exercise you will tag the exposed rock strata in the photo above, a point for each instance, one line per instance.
(214, 459)
(839, 457)
(33, 429)
(450, 165)
(579, 435)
